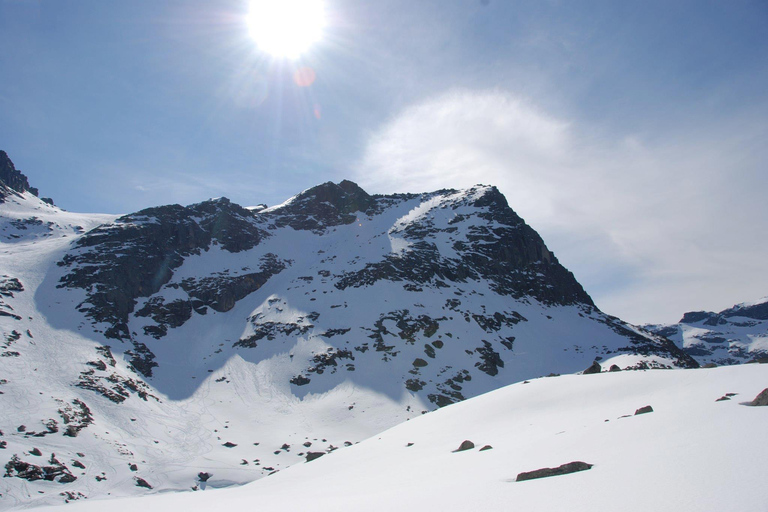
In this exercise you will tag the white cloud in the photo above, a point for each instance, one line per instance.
(651, 229)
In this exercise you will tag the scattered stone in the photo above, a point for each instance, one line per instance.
(203, 476)
(78, 464)
(761, 399)
(408, 445)
(722, 398)
(614, 368)
(644, 410)
(595, 368)
(133, 467)
(312, 456)
(36, 452)
(229, 444)
(571, 467)
(486, 447)
(466, 445)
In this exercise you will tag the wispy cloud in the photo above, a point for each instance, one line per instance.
(651, 228)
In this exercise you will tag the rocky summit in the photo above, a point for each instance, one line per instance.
(142, 351)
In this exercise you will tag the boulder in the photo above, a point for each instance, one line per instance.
(466, 445)
(571, 467)
(314, 455)
(644, 410)
(595, 368)
(761, 399)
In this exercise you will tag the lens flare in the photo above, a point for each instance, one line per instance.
(304, 77)
(286, 28)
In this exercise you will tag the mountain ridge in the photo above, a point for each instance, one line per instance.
(213, 338)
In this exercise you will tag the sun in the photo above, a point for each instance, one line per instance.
(286, 28)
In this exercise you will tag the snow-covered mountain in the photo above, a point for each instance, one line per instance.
(213, 344)
(673, 441)
(732, 336)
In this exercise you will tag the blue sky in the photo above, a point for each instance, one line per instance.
(631, 135)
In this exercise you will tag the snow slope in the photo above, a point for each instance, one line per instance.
(691, 453)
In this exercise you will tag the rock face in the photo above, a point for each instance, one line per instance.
(733, 336)
(571, 467)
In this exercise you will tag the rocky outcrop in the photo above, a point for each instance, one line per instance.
(498, 247)
(12, 178)
(324, 206)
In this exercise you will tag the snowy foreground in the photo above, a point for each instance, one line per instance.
(691, 453)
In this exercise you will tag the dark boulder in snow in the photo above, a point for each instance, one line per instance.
(466, 445)
(314, 455)
(486, 447)
(644, 410)
(571, 467)
(614, 368)
(761, 399)
(140, 482)
(595, 368)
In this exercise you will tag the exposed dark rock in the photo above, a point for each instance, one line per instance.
(643, 410)
(761, 399)
(756, 311)
(300, 380)
(203, 476)
(140, 482)
(12, 178)
(465, 445)
(594, 368)
(486, 447)
(56, 471)
(414, 385)
(324, 206)
(229, 444)
(329, 359)
(136, 255)
(614, 368)
(571, 467)
(490, 360)
(313, 455)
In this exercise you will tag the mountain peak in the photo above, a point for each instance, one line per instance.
(325, 205)
(14, 179)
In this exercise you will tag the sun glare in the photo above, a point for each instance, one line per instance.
(286, 28)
